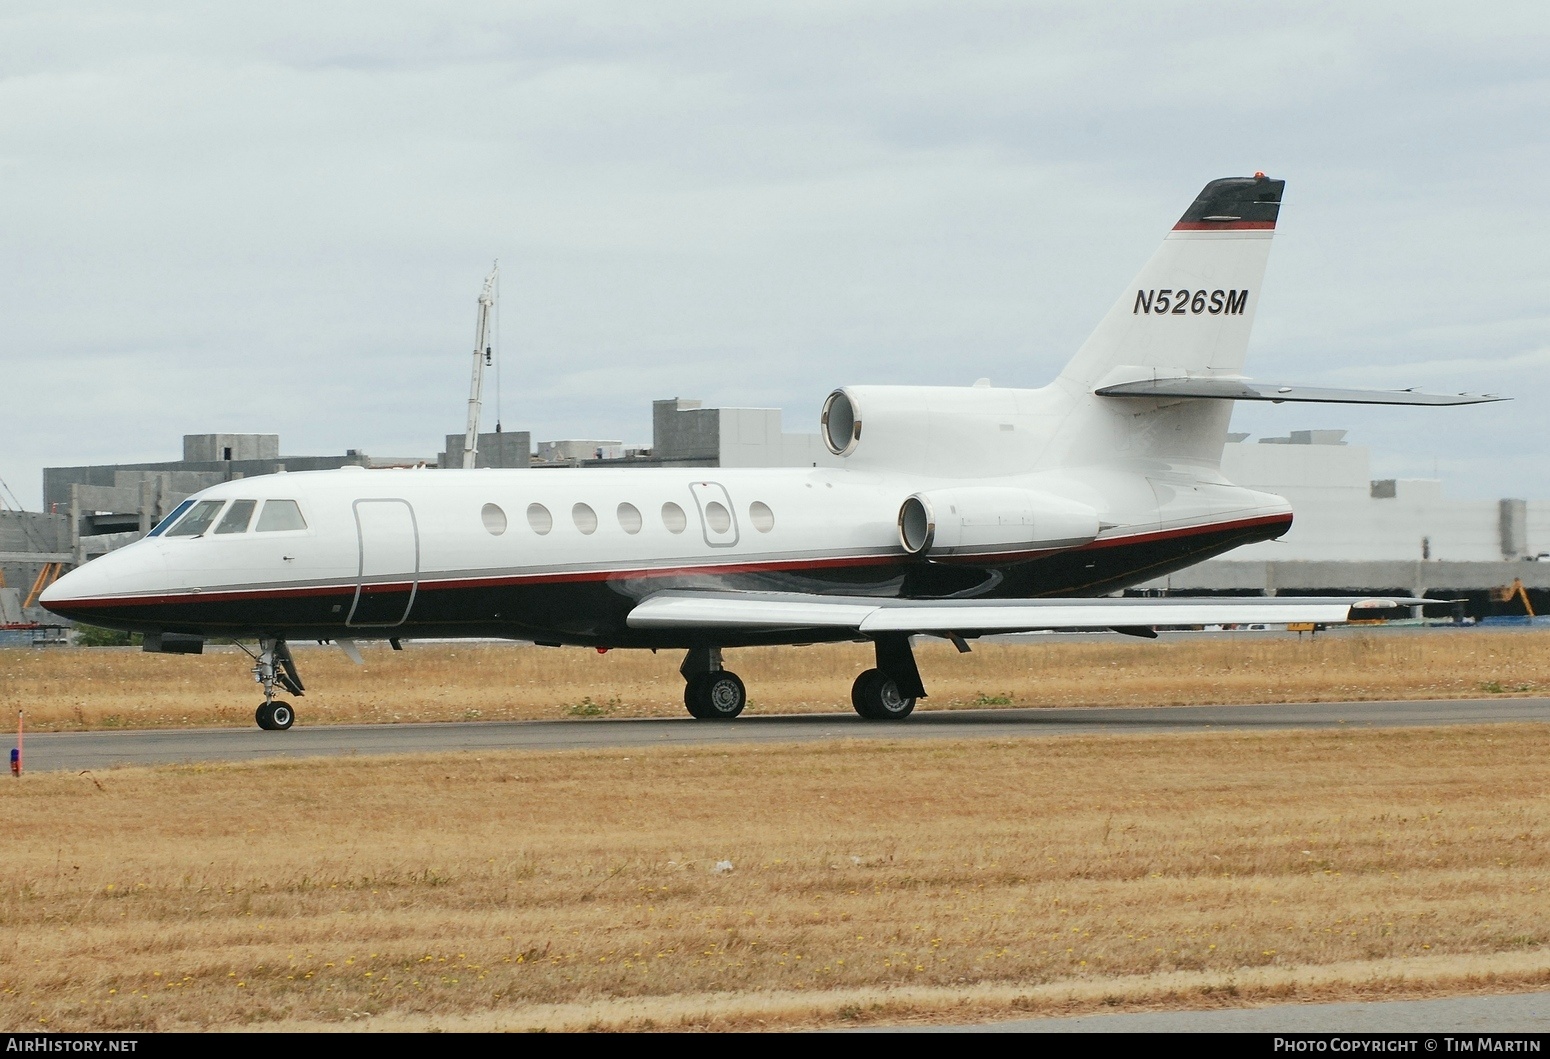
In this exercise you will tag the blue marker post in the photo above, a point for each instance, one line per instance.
(16, 751)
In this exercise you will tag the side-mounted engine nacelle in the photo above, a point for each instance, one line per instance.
(1005, 524)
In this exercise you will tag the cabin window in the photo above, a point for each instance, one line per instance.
(173, 516)
(539, 518)
(237, 517)
(718, 517)
(584, 518)
(761, 516)
(198, 519)
(629, 518)
(280, 515)
(494, 519)
(673, 517)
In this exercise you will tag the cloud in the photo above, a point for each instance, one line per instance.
(278, 218)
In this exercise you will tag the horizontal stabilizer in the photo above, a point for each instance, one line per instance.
(1217, 388)
(867, 616)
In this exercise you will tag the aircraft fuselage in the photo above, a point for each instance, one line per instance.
(563, 555)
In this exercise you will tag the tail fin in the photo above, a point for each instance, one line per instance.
(1190, 308)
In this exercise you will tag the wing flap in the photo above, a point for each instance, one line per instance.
(749, 611)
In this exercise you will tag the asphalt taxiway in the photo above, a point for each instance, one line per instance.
(48, 751)
(1428, 1020)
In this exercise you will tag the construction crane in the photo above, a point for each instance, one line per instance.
(483, 355)
(1507, 593)
(50, 573)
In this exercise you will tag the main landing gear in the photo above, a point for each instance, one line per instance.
(876, 698)
(710, 692)
(274, 665)
(886, 693)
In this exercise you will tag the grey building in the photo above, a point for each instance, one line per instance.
(685, 433)
(30, 541)
(511, 448)
(1353, 534)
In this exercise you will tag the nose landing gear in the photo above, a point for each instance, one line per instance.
(274, 665)
(274, 716)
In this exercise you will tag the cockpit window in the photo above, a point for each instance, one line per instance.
(237, 517)
(198, 519)
(177, 513)
(280, 515)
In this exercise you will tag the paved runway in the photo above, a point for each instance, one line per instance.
(1520, 1013)
(95, 750)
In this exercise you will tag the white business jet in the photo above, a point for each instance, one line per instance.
(956, 512)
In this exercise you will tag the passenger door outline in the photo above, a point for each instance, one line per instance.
(381, 551)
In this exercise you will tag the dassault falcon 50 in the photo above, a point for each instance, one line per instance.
(954, 511)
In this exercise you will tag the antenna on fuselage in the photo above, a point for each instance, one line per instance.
(482, 356)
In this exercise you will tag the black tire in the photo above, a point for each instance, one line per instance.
(281, 716)
(718, 696)
(264, 715)
(860, 692)
(876, 698)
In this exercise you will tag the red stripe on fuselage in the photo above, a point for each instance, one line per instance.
(574, 577)
(1225, 226)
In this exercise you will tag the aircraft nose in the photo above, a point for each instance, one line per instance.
(69, 589)
(78, 594)
(58, 592)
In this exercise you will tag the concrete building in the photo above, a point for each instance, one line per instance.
(1344, 515)
(29, 541)
(510, 448)
(683, 432)
(230, 448)
(207, 459)
(577, 450)
(1355, 534)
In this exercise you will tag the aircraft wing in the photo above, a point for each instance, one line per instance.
(868, 616)
(1228, 389)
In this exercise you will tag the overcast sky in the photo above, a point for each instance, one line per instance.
(216, 219)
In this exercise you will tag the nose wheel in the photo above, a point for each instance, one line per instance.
(274, 716)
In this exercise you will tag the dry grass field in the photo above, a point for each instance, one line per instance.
(64, 689)
(782, 886)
